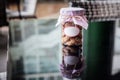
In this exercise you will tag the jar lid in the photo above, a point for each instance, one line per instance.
(73, 14)
(72, 11)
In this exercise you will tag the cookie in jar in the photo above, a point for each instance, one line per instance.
(71, 34)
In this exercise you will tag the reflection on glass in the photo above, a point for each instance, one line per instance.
(50, 78)
(41, 78)
(36, 56)
(32, 79)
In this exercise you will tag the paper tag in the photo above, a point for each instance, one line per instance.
(71, 60)
(71, 31)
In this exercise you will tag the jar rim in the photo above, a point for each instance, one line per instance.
(71, 9)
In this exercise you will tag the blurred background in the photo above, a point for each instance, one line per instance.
(34, 47)
(30, 43)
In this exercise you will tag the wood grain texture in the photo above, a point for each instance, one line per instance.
(44, 9)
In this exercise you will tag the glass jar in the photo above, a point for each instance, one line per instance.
(72, 21)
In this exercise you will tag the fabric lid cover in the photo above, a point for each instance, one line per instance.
(73, 14)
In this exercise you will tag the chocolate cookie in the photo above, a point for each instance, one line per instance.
(72, 72)
(71, 50)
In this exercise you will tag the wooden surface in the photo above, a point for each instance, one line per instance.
(44, 9)
(47, 9)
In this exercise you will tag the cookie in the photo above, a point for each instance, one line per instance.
(72, 72)
(72, 40)
(71, 50)
(65, 39)
(67, 24)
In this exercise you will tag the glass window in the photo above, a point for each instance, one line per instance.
(50, 78)
(41, 78)
(32, 79)
(59, 78)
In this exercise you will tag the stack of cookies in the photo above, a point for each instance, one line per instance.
(72, 20)
(72, 59)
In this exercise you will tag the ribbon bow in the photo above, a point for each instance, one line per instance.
(78, 20)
